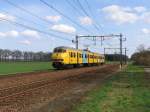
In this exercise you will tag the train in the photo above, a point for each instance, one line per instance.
(67, 57)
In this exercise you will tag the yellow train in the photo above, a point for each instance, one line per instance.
(65, 57)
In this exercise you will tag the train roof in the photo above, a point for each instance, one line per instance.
(64, 47)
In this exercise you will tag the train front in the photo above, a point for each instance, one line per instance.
(58, 57)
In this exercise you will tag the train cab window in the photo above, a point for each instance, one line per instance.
(59, 50)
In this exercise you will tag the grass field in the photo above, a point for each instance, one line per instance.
(128, 91)
(17, 67)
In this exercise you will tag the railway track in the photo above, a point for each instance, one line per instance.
(10, 94)
(23, 88)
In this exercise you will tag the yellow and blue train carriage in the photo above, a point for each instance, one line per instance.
(65, 57)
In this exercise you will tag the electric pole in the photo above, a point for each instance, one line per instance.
(126, 55)
(77, 42)
(121, 50)
(102, 37)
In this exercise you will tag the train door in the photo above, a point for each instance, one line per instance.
(77, 57)
(84, 58)
(71, 57)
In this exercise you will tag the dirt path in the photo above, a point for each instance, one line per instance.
(59, 96)
(147, 70)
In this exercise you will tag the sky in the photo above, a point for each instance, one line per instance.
(34, 26)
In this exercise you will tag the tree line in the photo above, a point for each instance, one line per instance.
(142, 56)
(115, 57)
(17, 55)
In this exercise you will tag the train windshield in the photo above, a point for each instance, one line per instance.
(59, 50)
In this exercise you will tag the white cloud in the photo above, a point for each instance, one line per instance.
(2, 35)
(119, 14)
(25, 42)
(30, 33)
(140, 9)
(53, 18)
(146, 17)
(86, 20)
(7, 17)
(9, 34)
(12, 33)
(146, 31)
(64, 28)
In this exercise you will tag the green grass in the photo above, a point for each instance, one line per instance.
(128, 91)
(19, 67)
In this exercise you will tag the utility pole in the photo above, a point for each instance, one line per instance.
(126, 55)
(77, 42)
(104, 51)
(121, 51)
(102, 37)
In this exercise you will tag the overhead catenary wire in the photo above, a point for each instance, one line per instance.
(27, 11)
(74, 7)
(86, 13)
(19, 17)
(34, 29)
(43, 18)
(67, 17)
(35, 15)
(90, 10)
(82, 12)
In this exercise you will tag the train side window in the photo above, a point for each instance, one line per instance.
(74, 54)
(71, 54)
(86, 56)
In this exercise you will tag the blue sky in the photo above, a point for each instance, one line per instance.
(129, 17)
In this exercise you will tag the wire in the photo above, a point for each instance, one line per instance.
(74, 7)
(32, 15)
(67, 17)
(82, 8)
(35, 29)
(21, 18)
(26, 11)
(77, 10)
(90, 9)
